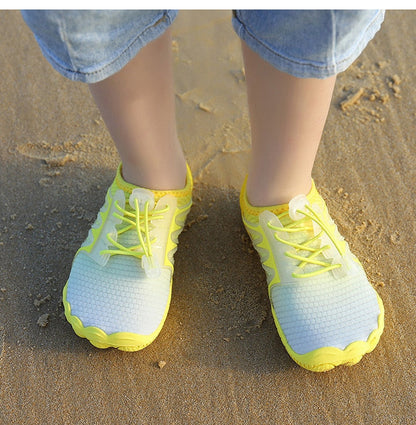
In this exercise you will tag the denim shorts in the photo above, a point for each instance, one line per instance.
(90, 46)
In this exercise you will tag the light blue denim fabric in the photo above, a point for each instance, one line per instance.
(308, 43)
(90, 46)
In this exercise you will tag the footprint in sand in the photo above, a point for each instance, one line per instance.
(51, 155)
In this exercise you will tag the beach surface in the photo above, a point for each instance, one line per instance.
(218, 359)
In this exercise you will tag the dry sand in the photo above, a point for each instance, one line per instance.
(218, 359)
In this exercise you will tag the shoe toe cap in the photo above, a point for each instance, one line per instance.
(117, 297)
(326, 313)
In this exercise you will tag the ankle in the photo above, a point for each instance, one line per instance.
(156, 177)
(264, 195)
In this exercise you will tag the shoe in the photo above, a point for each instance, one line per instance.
(119, 289)
(325, 310)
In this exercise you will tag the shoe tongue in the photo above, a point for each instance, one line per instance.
(298, 203)
(142, 195)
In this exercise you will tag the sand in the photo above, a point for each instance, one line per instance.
(218, 360)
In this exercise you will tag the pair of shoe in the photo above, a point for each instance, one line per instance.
(119, 289)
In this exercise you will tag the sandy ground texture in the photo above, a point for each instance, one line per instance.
(218, 360)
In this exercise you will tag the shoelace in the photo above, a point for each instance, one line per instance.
(139, 222)
(302, 225)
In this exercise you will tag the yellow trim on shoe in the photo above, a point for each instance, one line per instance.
(275, 209)
(177, 193)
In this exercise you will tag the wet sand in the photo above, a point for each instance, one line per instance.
(218, 359)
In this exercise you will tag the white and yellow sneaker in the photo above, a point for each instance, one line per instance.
(119, 289)
(325, 310)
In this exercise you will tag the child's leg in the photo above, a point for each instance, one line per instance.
(287, 117)
(138, 107)
(125, 57)
(119, 289)
(324, 308)
(137, 104)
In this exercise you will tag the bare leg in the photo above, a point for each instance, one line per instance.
(138, 107)
(287, 117)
